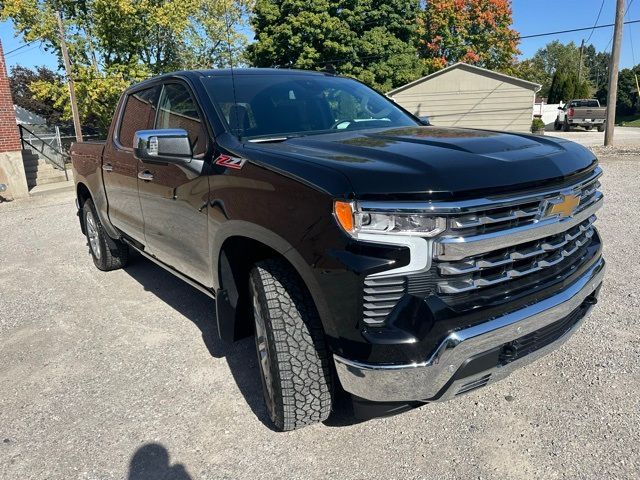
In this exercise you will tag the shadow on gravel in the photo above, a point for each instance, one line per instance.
(240, 356)
(151, 462)
(201, 310)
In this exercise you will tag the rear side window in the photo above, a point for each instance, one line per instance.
(178, 110)
(139, 114)
(584, 103)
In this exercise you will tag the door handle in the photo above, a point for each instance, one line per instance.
(146, 176)
(107, 167)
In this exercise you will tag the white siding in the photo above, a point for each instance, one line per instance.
(463, 98)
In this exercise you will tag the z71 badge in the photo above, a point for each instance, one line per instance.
(230, 162)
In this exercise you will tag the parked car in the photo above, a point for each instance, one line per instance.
(585, 113)
(401, 262)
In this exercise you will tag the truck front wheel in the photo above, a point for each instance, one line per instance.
(601, 128)
(292, 354)
(565, 126)
(107, 253)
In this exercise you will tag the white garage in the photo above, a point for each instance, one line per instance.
(467, 96)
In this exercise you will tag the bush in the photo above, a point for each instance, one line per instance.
(537, 124)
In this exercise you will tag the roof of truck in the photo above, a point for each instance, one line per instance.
(220, 72)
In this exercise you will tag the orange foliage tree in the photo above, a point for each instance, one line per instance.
(473, 31)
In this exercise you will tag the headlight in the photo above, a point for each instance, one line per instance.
(357, 221)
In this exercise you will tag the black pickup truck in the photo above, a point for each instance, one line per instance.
(402, 262)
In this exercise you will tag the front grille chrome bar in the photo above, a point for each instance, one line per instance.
(457, 248)
(455, 285)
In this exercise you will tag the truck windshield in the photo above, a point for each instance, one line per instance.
(278, 105)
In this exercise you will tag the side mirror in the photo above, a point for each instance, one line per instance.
(424, 120)
(163, 146)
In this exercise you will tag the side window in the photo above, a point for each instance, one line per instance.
(178, 110)
(139, 114)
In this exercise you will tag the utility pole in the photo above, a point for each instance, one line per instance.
(612, 95)
(580, 65)
(72, 91)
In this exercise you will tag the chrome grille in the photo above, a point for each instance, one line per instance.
(508, 240)
(502, 218)
(490, 241)
(513, 262)
(381, 294)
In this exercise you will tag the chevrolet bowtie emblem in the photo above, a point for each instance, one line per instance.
(564, 206)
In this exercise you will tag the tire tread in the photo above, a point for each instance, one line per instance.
(301, 369)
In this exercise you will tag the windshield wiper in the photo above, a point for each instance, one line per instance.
(276, 138)
(268, 139)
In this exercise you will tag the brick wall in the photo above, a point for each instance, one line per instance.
(9, 136)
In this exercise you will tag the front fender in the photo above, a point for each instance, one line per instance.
(240, 228)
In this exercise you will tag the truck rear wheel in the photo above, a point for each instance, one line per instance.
(292, 354)
(601, 128)
(107, 253)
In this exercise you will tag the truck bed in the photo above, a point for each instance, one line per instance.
(87, 156)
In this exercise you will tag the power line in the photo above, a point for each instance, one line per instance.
(20, 47)
(596, 22)
(575, 30)
(633, 55)
(23, 51)
(625, 13)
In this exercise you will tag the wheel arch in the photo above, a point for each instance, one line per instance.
(236, 250)
(82, 194)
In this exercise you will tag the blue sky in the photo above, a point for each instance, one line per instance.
(530, 17)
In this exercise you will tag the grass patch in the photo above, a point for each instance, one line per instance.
(628, 120)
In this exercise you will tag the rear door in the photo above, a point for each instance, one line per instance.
(120, 167)
(175, 200)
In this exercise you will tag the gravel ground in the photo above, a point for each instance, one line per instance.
(622, 136)
(120, 375)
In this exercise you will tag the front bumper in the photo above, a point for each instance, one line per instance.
(458, 363)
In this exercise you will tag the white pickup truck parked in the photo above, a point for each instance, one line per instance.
(585, 113)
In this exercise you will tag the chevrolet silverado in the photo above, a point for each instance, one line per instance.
(366, 251)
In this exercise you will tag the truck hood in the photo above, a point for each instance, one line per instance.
(438, 163)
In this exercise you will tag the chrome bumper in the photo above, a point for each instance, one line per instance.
(425, 380)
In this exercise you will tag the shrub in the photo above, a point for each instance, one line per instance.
(537, 124)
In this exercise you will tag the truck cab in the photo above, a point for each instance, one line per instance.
(364, 250)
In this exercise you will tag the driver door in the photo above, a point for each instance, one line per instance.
(173, 199)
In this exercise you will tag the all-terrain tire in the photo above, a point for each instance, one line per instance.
(565, 126)
(588, 128)
(601, 128)
(292, 354)
(556, 125)
(107, 253)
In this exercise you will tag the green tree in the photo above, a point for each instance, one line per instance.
(20, 81)
(527, 70)
(372, 40)
(472, 31)
(565, 87)
(558, 57)
(598, 63)
(113, 43)
(627, 102)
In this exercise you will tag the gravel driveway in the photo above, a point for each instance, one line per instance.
(121, 375)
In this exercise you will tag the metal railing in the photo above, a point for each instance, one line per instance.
(55, 156)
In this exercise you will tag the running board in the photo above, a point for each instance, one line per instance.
(172, 270)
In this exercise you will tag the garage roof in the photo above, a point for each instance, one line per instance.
(473, 69)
